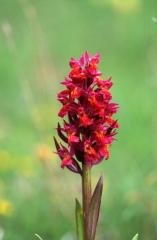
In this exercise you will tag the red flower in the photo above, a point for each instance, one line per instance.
(90, 129)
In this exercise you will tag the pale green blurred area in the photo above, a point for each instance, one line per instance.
(37, 38)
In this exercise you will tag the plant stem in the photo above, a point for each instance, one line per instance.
(86, 195)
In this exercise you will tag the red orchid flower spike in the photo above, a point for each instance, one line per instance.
(89, 128)
(86, 101)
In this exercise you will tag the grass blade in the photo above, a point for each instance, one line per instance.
(135, 237)
(38, 237)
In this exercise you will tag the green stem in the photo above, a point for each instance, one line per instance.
(86, 195)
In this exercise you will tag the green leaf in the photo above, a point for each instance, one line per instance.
(94, 209)
(79, 220)
(38, 236)
(135, 237)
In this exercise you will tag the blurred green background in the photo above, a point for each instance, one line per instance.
(37, 38)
